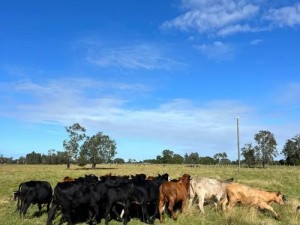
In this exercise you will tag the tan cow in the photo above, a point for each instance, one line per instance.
(250, 196)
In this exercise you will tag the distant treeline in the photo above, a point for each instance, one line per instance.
(167, 157)
(100, 148)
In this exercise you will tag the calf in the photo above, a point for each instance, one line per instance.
(33, 192)
(207, 189)
(249, 196)
(171, 193)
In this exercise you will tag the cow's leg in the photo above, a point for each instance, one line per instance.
(264, 205)
(126, 214)
(201, 203)
(48, 206)
(66, 212)
(40, 209)
(25, 207)
(183, 204)
(107, 213)
(171, 209)
(145, 213)
(51, 213)
(223, 203)
(192, 196)
(161, 208)
(231, 204)
(119, 217)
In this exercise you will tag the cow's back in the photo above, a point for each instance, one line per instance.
(207, 187)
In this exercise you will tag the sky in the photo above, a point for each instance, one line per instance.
(151, 74)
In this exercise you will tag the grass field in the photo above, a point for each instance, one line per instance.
(284, 179)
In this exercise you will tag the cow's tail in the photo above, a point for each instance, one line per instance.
(18, 197)
(52, 211)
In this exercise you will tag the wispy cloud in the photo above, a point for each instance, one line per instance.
(221, 17)
(290, 94)
(217, 51)
(285, 16)
(143, 56)
(256, 42)
(228, 17)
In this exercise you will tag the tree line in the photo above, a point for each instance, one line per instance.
(82, 149)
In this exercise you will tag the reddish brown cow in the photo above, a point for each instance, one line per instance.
(68, 179)
(250, 196)
(171, 193)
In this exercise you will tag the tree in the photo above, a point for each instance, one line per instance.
(33, 158)
(266, 147)
(119, 161)
(207, 160)
(291, 151)
(248, 152)
(71, 146)
(193, 158)
(167, 156)
(220, 157)
(177, 159)
(99, 148)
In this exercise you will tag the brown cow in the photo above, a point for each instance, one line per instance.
(171, 193)
(249, 196)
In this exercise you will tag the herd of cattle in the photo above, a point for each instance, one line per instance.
(121, 198)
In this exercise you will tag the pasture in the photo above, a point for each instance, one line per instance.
(284, 179)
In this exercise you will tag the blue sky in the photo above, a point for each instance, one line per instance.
(151, 74)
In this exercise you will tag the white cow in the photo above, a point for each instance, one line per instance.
(207, 189)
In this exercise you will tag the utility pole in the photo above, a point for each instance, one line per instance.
(238, 142)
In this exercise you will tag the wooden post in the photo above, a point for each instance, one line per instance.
(238, 142)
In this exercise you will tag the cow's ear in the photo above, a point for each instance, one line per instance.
(278, 193)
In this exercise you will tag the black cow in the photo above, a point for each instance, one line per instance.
(33, 192)
(122, 194)
(78, 196)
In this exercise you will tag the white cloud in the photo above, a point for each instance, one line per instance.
(137, 56)
(214, 16)
(228, 17)
(285, 16)
(217, 51)
(290, 94)
(237, 28)
(256, 42)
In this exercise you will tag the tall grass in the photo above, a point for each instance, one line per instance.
(284, 179)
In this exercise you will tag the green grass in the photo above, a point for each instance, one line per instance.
(284, 179)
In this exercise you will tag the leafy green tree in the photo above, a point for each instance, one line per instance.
(207, 160)
(33, 158)
(266, 147)
(119, 161)
(248, 152)
(82, 159)
(99, 149)
(177, 159)
(193, 158)
(71, 146)
(291, 151)
(220, 157)
(167, 156)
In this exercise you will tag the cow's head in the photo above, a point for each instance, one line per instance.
(280, 198)
(16, 195)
